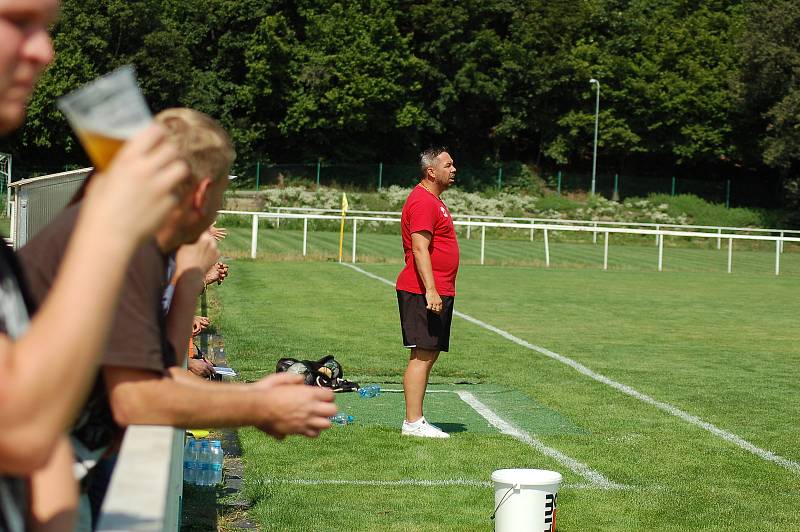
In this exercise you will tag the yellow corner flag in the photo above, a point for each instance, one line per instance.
(345, 206)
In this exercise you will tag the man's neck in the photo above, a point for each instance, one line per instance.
(431, 187)
(165, 238)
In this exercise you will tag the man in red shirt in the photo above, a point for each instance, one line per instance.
(427, 285)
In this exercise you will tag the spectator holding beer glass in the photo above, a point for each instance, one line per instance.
(50, 356)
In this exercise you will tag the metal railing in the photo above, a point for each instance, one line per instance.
(546, 228)
(36, 201)
(147, 483)
(721, 230)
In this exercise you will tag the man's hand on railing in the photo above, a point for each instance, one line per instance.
(201, 367)
(217, 232)
(199, 324)
(217, 273)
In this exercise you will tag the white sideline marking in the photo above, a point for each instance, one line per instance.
(596, 479)
(507, 428)
(398, 483)
(666, 407)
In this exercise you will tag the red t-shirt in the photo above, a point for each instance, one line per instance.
(423, 211)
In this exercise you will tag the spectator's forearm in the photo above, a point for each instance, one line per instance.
(188, 286)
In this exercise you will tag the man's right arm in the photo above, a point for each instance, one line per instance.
(420, 242)
(145, 397)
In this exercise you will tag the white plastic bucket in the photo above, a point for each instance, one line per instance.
(525, 500)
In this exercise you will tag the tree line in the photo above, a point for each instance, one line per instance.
(685, 86)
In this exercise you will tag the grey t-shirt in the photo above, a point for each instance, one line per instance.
(14, 321)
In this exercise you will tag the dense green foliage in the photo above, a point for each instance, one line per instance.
(711, 88)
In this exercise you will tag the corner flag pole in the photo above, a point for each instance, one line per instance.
(341, 229)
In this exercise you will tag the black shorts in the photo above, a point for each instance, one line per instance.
(421, 327)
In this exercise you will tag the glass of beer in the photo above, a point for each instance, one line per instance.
(105, 113)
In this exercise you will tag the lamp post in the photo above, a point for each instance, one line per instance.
(596, 120)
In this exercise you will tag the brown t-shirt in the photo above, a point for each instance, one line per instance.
(138, 335)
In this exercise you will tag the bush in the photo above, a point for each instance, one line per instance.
(700, 212)
(656, 208)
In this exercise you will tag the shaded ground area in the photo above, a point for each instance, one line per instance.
(220, 507)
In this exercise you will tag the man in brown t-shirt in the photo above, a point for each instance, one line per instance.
(139, 375)
(138, 337)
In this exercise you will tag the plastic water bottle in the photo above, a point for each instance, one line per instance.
(204, 463)
(190, 461)
(342, 419)
(372, 390)
(217, 458)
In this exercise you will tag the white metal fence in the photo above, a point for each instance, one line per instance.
(546, 228)
(721, 230)
(36, 201)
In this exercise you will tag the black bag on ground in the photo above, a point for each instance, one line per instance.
(325, 372)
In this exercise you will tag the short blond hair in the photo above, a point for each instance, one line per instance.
(201, 141)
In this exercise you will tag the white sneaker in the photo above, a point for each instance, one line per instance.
(423, 429)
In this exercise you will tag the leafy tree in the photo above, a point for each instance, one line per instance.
(665, 72)
(769, 91)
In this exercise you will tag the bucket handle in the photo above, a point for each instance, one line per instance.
(504, 499)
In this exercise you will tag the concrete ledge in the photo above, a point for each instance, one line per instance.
(146, 487)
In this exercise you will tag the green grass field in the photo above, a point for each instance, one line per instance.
(720, 347)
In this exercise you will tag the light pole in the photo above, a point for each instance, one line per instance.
(596, 120)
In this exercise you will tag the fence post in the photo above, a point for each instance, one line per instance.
(673, 185)
(781, 241)
(657, 228)
(594, 234)
(500, 178)
(558, 186)
(777, 257)
(469, 227)
(730, 254)
(355, 225)
(254, 237)
(258, 174)
(660, 252)
(615, 195)
(532, 229)
(483, 241)
(546, 249)
(605, 252)
(380, 176)
(8, 190)
(728, 194)
(719, 238)
(305, 235)
(319, 163)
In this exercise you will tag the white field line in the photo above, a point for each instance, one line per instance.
(596, 479)
(507, 428)
(397, 483)
(666, 407)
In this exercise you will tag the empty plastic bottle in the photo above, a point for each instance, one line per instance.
(190, 461)
(204, 463)
(372, 390)
(342, 419)
(217, 458)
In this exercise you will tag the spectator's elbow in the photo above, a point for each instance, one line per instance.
(28, 436)
(127, 405)
(25, 450)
